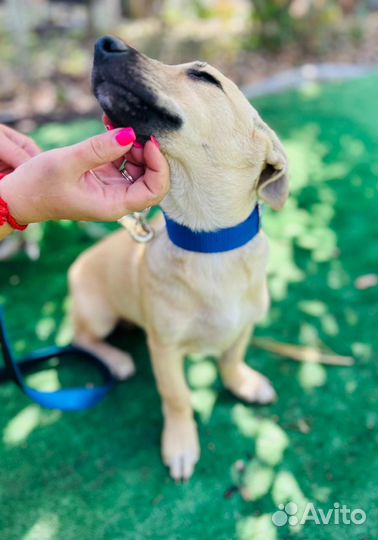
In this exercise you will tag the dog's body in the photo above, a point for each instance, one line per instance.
(187, 302)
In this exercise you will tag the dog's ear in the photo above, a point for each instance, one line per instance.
(273, 184)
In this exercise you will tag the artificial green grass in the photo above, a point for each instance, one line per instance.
(97, 475)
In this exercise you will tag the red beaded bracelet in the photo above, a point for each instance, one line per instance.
(6, 216)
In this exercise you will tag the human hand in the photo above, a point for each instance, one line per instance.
(82, 182)
(15, 149)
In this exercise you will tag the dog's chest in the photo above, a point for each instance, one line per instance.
(205, 302)
(216, 325)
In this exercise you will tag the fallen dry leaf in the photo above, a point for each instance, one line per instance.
(366, 282)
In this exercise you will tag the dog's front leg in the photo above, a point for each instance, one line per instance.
(180, 446)
(239, 378)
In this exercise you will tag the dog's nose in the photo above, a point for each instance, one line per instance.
(109, 45)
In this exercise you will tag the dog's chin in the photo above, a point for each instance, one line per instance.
(128, 108)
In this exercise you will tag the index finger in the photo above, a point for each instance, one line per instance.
(150, 188)
(134, 156)
(156, 176)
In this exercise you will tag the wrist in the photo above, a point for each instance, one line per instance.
(9, 193)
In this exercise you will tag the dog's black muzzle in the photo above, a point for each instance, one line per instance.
(123, 83)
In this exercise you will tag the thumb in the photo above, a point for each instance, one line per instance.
(100, 149)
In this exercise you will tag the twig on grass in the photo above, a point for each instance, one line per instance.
(302, 354)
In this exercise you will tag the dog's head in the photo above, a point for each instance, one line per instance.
(222, 156)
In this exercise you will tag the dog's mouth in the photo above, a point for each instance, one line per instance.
(124, 87)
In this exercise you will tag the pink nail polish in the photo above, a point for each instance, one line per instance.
(138, 144)
(125, 137)
(155, 141)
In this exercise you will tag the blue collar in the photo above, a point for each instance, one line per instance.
(214, 241)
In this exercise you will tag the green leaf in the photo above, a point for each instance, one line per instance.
(257, 481)
(271, 442)
(257, 528)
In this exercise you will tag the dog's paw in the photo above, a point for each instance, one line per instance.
(120, 363)
(251, 386)
(180, 448)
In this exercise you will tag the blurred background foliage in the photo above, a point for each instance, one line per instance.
(46, 45)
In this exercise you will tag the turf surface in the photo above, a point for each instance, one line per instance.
(97, 475)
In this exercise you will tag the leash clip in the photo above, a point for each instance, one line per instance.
(138, 227)
(136, 224)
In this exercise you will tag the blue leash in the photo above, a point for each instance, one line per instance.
(67, 399)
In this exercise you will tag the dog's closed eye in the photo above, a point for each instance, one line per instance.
(204, 76)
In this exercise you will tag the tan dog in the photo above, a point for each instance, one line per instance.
(222, 158)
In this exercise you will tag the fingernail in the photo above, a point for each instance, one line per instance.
(137, 144)
(126, 136)
(155, 141)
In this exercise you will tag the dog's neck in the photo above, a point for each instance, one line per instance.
(209, 202)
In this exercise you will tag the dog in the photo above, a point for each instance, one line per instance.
(223, 158)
